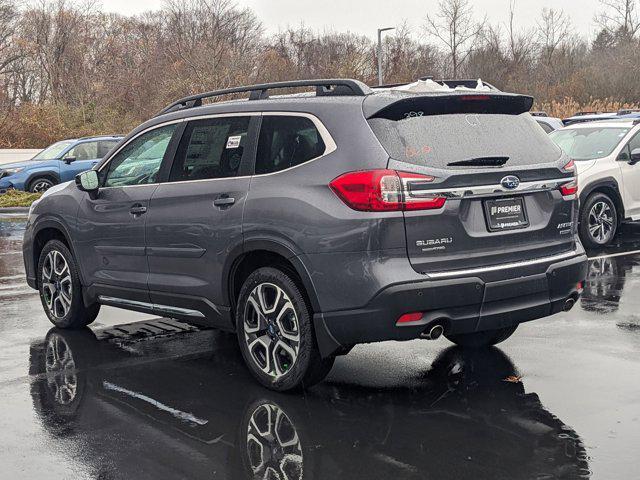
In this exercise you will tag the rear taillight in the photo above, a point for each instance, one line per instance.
(570, 167)
(384, 190)
(571, 188)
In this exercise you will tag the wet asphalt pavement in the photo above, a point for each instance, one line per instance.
(136, 397)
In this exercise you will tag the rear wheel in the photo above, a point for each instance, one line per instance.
(482, 339)
(598, 220)
(39, 185)
(60, 288)
(275, 332)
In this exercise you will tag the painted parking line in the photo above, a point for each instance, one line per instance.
(621, 254)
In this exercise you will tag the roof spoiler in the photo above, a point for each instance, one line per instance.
(398, 106)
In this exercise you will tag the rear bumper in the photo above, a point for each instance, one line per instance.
(463, 304)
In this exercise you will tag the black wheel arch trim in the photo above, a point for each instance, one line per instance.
(57, 225)
(45, 173)
(608, 182)
(327, 344)
(273, 246)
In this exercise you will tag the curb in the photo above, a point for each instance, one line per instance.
(14, 210)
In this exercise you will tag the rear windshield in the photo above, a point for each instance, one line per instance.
(438, 140)
(588, 143)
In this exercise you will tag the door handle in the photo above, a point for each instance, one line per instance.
(137, 210)
(224, 201)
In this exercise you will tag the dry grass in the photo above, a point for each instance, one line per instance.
(17, 198)
(568, 106)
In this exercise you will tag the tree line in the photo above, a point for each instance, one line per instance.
(67, 68)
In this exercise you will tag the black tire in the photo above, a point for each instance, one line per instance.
(268, 361)
(60, 288)
(590, 218)
(482, 339)
(40, 184)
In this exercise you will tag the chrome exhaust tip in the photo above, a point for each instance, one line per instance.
(568, 305)
(433, 333)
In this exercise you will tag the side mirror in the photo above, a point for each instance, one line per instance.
(635, 156)
(88, 182)
(69, 160)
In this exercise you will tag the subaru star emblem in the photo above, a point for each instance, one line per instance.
(510, 182)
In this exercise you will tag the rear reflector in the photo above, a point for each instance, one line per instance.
(383, 190)
(409, 318)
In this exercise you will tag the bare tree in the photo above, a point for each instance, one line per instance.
(8, 24)
(619, 18)
(553, 30)
(454, 26)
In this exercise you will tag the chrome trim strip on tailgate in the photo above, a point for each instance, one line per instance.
(481, 190)
(524, 263)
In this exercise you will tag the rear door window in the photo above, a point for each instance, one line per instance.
(287, 141)
(211, 148)
(439, 140)
(84, 151)
(105, 146)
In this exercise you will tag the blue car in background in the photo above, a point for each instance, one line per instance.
(57, 163)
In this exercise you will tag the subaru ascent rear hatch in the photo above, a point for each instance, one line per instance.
(482, 183)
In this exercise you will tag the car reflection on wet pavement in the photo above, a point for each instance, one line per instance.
(141, 397)
(458, 420)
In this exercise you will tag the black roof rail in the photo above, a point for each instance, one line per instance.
(586, 112)
(324, 87)
(539, 114)
(117, 135)
(627, 111)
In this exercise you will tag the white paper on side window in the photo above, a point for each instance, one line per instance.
(234, 142)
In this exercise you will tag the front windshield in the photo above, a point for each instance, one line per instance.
(588, 143)
(53, 151)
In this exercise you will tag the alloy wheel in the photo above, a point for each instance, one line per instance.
(60, 369)
(57, 286)
(41, 186)
(271, 329)
(601, 222)
(274, 450)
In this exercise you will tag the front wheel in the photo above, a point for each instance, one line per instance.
(598, 221)
(275, 332)
(40, 185)
(60, 288)
(482, 339)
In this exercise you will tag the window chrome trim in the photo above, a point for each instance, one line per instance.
(329, 143)
(524, 263)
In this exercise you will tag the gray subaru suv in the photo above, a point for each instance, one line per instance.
(311, 222)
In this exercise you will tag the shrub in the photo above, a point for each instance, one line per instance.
(17, 198)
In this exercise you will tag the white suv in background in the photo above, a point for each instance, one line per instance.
(606, 154)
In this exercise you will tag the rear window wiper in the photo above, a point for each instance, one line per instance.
(480, 162)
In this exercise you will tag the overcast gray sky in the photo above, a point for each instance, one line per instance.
(365, 16)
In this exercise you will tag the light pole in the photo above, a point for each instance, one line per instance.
(380, 30)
